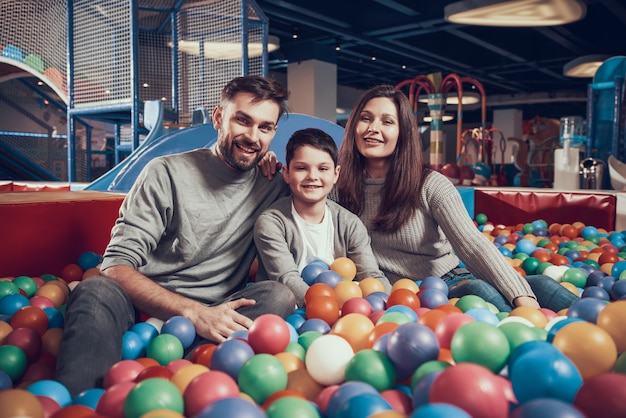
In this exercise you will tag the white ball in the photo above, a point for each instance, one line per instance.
(517, 319)
(554, 272)
(155, 322)
(327, 358)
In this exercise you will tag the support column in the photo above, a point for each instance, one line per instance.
(312, 88)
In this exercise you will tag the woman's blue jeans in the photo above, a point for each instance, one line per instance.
(550, 294)
(99, 312)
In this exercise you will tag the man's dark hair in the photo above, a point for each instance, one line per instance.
(262, 88)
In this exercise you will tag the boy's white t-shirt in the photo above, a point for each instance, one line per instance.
(318, 243)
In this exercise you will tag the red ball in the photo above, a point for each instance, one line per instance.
(27, 339)
(30, 317)
(111, 403)
(122, 371)
(602, 395)
(71, 273)
(448, 325)
(219, 384)
(467, 175)
(452, 171)
(269, 333)
(154, 371)
(405, 297)
(357, 305)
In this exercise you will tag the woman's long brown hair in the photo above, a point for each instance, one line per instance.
(404, 179)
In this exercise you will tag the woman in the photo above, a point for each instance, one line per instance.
(416, 218)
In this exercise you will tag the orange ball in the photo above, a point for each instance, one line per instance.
(20, 403)
(611, 319)
(534, 315)
(405, 284)
(380, 330)
(344, 267)
(404, 297)
(72, 272)
(325, 308)
(318, 289)
(571, 287)
(301, 381)
(569, 231)
(51, 340)
(554, 228)
(347, 289)
(370, 285)
(183, 376)
(354, 328)
(290, 361)
(5, 329)
(432, 318)
(607, 268)
(90, 272)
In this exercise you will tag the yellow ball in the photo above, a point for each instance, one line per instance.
(347, 289)
(405, 284)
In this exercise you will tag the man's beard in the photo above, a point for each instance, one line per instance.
(229, 156)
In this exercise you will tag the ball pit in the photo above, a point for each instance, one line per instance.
(347, 352)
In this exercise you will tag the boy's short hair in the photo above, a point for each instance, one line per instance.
(313, 137)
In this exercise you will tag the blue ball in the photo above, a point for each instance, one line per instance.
(232, 407)
(133, 347)
(344, 393)
(505, 252)
(483, 315)
(314, 324)
(296, 320)
(89, 398)
(146, 331)
(311, 271)
(439, 410)
(182, 328)
(378, 300)
(589, 231)
(9, 304)
(230, 356)
(431, 298)
(242, 334)
(329, 277)
(546, 407)
(541, 232)
(421, 390)
(363, 405)
(52, 389)
(501, 240)
(55, 317)
(410, 313)
(593, 279)
(618, 268)
(434, 282)
(596, 292)
(5, 380)
(587, 309)
(88, 260)
(573, 255)
(618, 290)
(525, 246)
(606, 282)
(380, 344)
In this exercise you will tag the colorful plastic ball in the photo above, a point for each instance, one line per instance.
(481, 218)
(328, 277)
(180, 327)
(71, 273)
(354, 328)
(318, 289)
(7, 287)
(431, 298)
(544, 374)
(403, 309)
(345, 267)
(618, 290)
(27, 339)
(596, 292)
(587, 309)
(30, 317)
(5, 381)
(89, 398)
(153, 394)
(325, 308)
(548, 407)
(434, 282)
(483, 315)
(357, 305)
(421, 388)
(152, 372)
(296, 320)
(261, 376)
(290, 406)
(20, 403)
(618, 268)
(468, 302)
(133, 346)
(575, 276)
(378, 300)
(269, 334)
(300, 381)
(9, 304)
(230, 356)
(518, 334)
(557, 324)
(481, 343)
(448, 325)
(346, 290)
(326, 369)
(55, 317)
(483, 397)
(88, 260)
(26, 284)
(594, 354)
(232, 407)
(183, 376)
(364, 405)
(340, 396)
(197, 397)
(122, 371)
(13, 361)
(311, 271)
(440, 410)
(52, 389)
(54, 292)
(165, 348)
(373, 367)
(306, 339)
(314, 324)
(146, 331)
(611, 320)
(111, 403)
(409, 346)
(405, 297)
(525, 246)
(370, 285)
(602, 396)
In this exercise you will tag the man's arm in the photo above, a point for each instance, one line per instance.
(215, 323)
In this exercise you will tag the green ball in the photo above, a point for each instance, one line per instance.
(517, 334)
(426, 368)
(481, 219)
(592, 263)
(306, 338)
(262, 376)
(7, 287)
(27, 284)
(528, 229)
(295, 348)
(543, 241)
(530, 265)
(13, 361)
(467, 302)
(571, 245)
(165, 348)
(480, 343)
(372, 367)
(48, 277)
(152, 394)
(543, 266)
(620, 364)
(593, 239)
(563, 250)
(395, 316)
(521, 256)
(502, 315)
(290, 406)
(575, 276)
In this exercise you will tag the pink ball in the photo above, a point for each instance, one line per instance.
(269, 334)
(472, 388)
(41, 302)
(111, 403)
(448, 325)
(207, 388)
(122, 371)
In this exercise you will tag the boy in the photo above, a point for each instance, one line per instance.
(308, 226)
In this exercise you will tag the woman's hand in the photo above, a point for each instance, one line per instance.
(269, 165)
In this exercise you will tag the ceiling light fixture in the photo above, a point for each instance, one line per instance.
(469, 98)
(515, 13)
(227, 50)
(585, 66)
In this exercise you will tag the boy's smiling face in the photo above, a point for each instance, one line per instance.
(311, 175)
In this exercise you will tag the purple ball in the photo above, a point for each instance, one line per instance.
(311, 271)
(431, 298)
(434, 282)
(378, 300)
(230, 356)
(587, 309)
(411, 345)
(314, 324)
(329, 277)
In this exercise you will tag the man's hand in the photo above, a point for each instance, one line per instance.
(216, 323)
(526, 301)
(270, 165)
